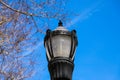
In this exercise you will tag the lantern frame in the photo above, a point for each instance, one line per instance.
(50, 34)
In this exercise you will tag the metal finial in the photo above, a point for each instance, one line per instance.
(60, 23)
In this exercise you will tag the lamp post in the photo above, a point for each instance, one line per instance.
(60, 47)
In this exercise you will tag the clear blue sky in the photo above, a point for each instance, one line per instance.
(98, 30)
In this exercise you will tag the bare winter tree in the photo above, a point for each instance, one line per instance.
(20, 20)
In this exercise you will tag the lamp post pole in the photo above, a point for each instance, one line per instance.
(60, 47)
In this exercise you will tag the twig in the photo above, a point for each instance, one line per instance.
(25, 13)
(38, 30)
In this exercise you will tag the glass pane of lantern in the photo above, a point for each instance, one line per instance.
(61, 45)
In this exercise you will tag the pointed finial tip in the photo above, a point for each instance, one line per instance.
(60, 23)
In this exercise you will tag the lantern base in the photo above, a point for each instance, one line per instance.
(61, 69)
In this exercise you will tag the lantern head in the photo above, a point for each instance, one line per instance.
(60, 47)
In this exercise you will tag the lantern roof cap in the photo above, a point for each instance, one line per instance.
(60, 27)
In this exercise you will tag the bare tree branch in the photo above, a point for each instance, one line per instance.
(18, 38)
(25, 13)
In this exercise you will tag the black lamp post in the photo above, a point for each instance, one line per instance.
(60, 46)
